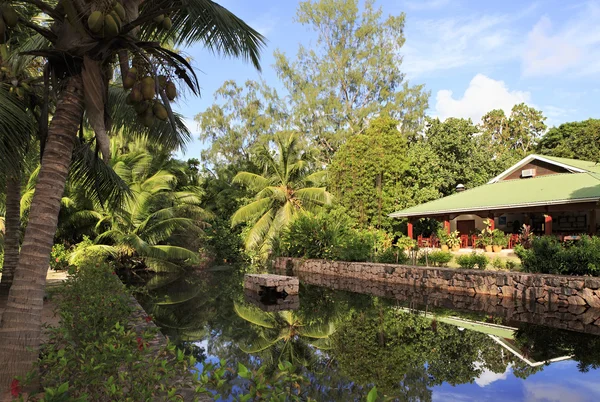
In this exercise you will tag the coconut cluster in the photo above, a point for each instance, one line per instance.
(8, 19)
(142, 97)
(107, 24)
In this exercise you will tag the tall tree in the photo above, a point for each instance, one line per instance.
(459, 156)
(366, 174)
(510, 138)
(352, 74)
(243, 117)
(285, 188)
(577, 140)
(81, 57)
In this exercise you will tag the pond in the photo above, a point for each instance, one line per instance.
(347, 337)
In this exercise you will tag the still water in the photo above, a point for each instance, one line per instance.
(346, 341)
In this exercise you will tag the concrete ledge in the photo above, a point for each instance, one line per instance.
(557, 290)
(278, 283)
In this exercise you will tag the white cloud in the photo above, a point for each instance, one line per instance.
(451, 42)
(549, 392)
(572, 47)
(487, 377)
(482, 95)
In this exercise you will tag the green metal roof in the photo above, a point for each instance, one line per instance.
(585, 165)
(553, 189)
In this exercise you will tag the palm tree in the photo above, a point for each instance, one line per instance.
(143, 226)
(284, 335)
(80, 62)
(282, 192)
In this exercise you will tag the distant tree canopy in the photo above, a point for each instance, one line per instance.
(578, 140)
(366, 173)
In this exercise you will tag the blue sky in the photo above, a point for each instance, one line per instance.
(473, 56)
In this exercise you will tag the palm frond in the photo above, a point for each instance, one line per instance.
(313, 195)
(255, 316)
(175, 253)
(250, 211)
(252, 181)
(207, 22)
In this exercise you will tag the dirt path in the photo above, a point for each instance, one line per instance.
(54, 278)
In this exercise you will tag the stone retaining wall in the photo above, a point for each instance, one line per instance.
(557, 290)
(513, 311)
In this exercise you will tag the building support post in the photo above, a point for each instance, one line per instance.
(592, 222)
(410, 229)
(447, 225)
(492, 221)
(547, 225)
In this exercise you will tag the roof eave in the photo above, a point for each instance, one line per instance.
(491, 208)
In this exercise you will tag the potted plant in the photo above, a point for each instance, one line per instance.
(442, 235)
(485, 237)
(485, 242)
(499, 240)
(453, 240)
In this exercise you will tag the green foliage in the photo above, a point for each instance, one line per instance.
(548, 255)
(499, 263)
(439, 258)
(328, 235)
(366, 172)
(453, 239)
(96, 354)
(247, 116)
(84, 254)
(59, 257)
(499, 238)
(576, 140)
(350, 75)
(509, 138)
(472, 261)
(286, 188)
(314, 236)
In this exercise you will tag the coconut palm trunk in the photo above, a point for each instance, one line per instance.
(21, 322)
(12, 236)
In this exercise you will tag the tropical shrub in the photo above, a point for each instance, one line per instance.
(472, 261)
(499, 238)
(548, 255)
(313, 236)
(498, 263)
(439, 258)
(59, 257)
(405, 243)
(83, 254)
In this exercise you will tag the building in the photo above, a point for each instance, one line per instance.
(556, 196)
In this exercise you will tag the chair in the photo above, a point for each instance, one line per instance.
(513, 240)
(474, 241)
(464, 241)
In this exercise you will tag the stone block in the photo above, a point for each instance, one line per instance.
(592, 299)
(576, 300)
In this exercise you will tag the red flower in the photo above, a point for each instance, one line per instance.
(140, 343)
(113, 273)
(15, 389)
(148, 318)
(57, 259)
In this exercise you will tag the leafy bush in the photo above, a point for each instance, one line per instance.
(548, 255)
(329, 236)
(59, 257)
(511, 265)
(405, 243)
(440, 258)
(86, 253)
(498, 263)
(472, 261)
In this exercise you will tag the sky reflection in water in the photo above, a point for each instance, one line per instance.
(349, 342)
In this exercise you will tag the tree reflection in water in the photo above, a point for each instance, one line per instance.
(346, 342)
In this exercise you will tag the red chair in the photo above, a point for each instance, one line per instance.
(513, 240)
(464, 241)
(474, 241)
